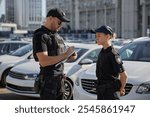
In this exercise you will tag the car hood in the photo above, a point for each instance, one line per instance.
(6, 58)
(67, 67)
(138, 72)
(30, 67)
(27, 68)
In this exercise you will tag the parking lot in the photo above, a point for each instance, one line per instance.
(7, 95)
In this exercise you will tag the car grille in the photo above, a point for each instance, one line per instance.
(17, 75)
(20, 88)
(89, 86)
(128, 88)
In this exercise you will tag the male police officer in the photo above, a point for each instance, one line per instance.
(48, 49)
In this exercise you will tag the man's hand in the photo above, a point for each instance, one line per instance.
(73, 57)
(69, 51)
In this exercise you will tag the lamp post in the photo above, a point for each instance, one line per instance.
(105, 13)
(115, 2)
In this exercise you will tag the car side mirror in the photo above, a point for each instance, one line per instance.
(85, 61)
(30, 56)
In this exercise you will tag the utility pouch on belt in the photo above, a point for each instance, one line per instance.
(100, 90)
(116, 84)
(38, 84)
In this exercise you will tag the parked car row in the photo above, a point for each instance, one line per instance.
(81, 72)
(7, 47)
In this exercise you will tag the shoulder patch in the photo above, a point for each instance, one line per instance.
(45, 36)
(114, 51)
(118, 59)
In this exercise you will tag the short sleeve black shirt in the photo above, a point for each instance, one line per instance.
(47, 40)
(109, 64)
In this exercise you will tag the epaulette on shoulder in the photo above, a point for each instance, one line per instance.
(45, 35)
(114, 51)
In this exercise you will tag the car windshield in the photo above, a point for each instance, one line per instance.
(22, 51)
(136, 51)
(80, 52)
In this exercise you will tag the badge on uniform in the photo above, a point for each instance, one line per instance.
(118, 59)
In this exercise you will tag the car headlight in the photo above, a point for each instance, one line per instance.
(31, 76)
(144, 88)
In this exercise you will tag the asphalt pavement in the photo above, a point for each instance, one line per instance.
(8, 95)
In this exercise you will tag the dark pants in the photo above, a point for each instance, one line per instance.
(107, 91)
(52, 88)
(107, 95)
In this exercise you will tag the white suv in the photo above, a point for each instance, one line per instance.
(136, 59)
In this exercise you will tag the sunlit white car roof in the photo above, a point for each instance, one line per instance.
(142, 39)
(15, 41)
(83, 45)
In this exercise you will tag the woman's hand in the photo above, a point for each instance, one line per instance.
(122, 92)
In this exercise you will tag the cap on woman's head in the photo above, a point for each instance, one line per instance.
(104, 29)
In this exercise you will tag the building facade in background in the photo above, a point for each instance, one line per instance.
(128, 18)
(9, 11)
(145, 15)
(28, 14)
(2, 11)
(89, 14)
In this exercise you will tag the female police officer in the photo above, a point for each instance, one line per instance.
(109, 67)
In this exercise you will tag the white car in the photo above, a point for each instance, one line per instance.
(21, 78)
(7, 47)
(8, 61)
(136, 59)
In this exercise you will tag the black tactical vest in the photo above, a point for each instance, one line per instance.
(54, 46)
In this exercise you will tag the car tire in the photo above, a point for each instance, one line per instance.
(3, 80)
(68, 90)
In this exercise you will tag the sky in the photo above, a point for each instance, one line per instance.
(43, 8)
(2, 7)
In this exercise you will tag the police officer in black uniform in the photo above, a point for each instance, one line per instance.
(109, 68)
(49, 49)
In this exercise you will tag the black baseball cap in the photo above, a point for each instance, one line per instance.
(59, 14)
(103, 29)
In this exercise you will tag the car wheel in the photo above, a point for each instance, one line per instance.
(3, 80)
(68, 90)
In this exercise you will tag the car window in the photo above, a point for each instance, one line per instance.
(22, 51)
(4, 49)
(144, 54)
(93, 55)
(15, 46)
(128, 52)
(136, 52)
